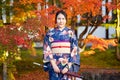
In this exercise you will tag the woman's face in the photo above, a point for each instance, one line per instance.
(61, 21)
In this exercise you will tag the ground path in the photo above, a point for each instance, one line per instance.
(85, 70)
(38, 75)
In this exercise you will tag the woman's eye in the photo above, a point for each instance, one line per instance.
(58, 18)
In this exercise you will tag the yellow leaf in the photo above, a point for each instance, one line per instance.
(87, 53)
(118, 29)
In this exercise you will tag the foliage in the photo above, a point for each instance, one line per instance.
(90, 15)
(11, 37)
(30, 1)
(99, 43)
(46, 16)
(35, 21)
(33, 28)
(31, 19)
(22, 11)
(82, 7)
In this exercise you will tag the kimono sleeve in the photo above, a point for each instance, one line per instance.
(75, 56)
(46, 52)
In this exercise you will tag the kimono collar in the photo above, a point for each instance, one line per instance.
(59, 29)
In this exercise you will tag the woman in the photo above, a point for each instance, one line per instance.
(60, 49)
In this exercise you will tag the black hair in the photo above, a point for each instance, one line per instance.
(60, 12)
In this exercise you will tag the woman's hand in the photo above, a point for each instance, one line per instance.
(65, 70)
(54, 65)
(56, 69)
(63, 61)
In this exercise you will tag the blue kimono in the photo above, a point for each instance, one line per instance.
(63, 46)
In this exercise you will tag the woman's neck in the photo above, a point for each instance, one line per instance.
(61, 28)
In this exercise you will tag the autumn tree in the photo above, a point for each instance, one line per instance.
(11, 39)
(117, 26)
(44, 11)
(90, 16)
(14, 35)
(34, 17)
(118, 29)
(114, 6)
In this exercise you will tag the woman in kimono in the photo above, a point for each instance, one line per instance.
(60, 49)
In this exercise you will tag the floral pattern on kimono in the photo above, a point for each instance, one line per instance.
(66, 35)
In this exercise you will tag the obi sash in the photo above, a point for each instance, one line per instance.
(60, 47)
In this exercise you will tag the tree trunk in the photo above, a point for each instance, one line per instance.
(4, 71)
(107, 30)
(118, 53)
(0, 10)
(118, 33)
